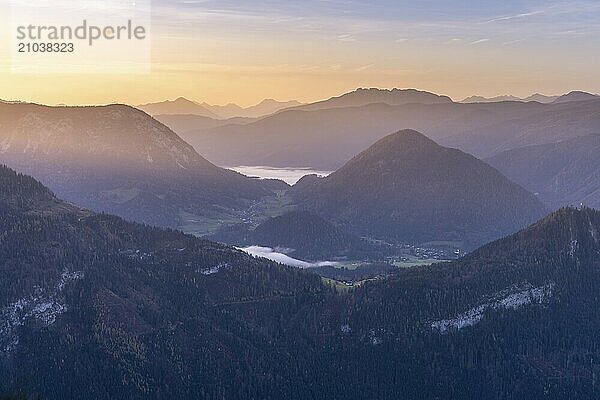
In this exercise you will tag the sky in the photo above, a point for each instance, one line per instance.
(243, 51)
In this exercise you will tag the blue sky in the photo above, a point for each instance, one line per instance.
(555, 26)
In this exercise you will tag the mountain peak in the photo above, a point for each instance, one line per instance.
(395, 146)
(398, 96)
(365, 96)
(183, 100)
(576, 95)
(406, 181)
(268, 101)
(180, 105)
(571, 233)
(118, 159)
(405, 136)
(584, 222)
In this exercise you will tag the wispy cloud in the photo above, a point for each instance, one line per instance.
(479, 41)
(515, 16)
(346, 38)
(512, 42)
(569, 33)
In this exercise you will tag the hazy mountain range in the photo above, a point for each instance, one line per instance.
(559, 173)
(330, 134)
(118, 159)
(95, 307)
(576, 95)
(188, 126)
(188, 107)
(178, 106)
(265, 107)
(366, 96)
(540, 98)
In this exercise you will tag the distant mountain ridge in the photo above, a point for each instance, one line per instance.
(576, 95)
(408, 188)
(178, 106)
(540, 98)
(562, 174)
(183, 106)
(187, 125)
(366, 96)
(481, 99)
(265, 107)
(325, 138)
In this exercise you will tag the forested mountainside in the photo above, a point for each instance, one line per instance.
(514, 319)
(95, 307)
(302, 235)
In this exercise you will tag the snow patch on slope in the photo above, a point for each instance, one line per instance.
(213, 270)
(42, 307)
(593, 232)
(511, 299)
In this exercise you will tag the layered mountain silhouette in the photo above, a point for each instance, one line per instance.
(183, 106)
(364, 96)
(576, 95)
(117, 159)
(332, 132)
(516, 125)
(540, 98)
(562, 174)
(265, 107)
(180, 105)
(188, 126)
(100, 308)
(408, 188)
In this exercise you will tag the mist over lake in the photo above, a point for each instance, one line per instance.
(289, 175)
(273, 255)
